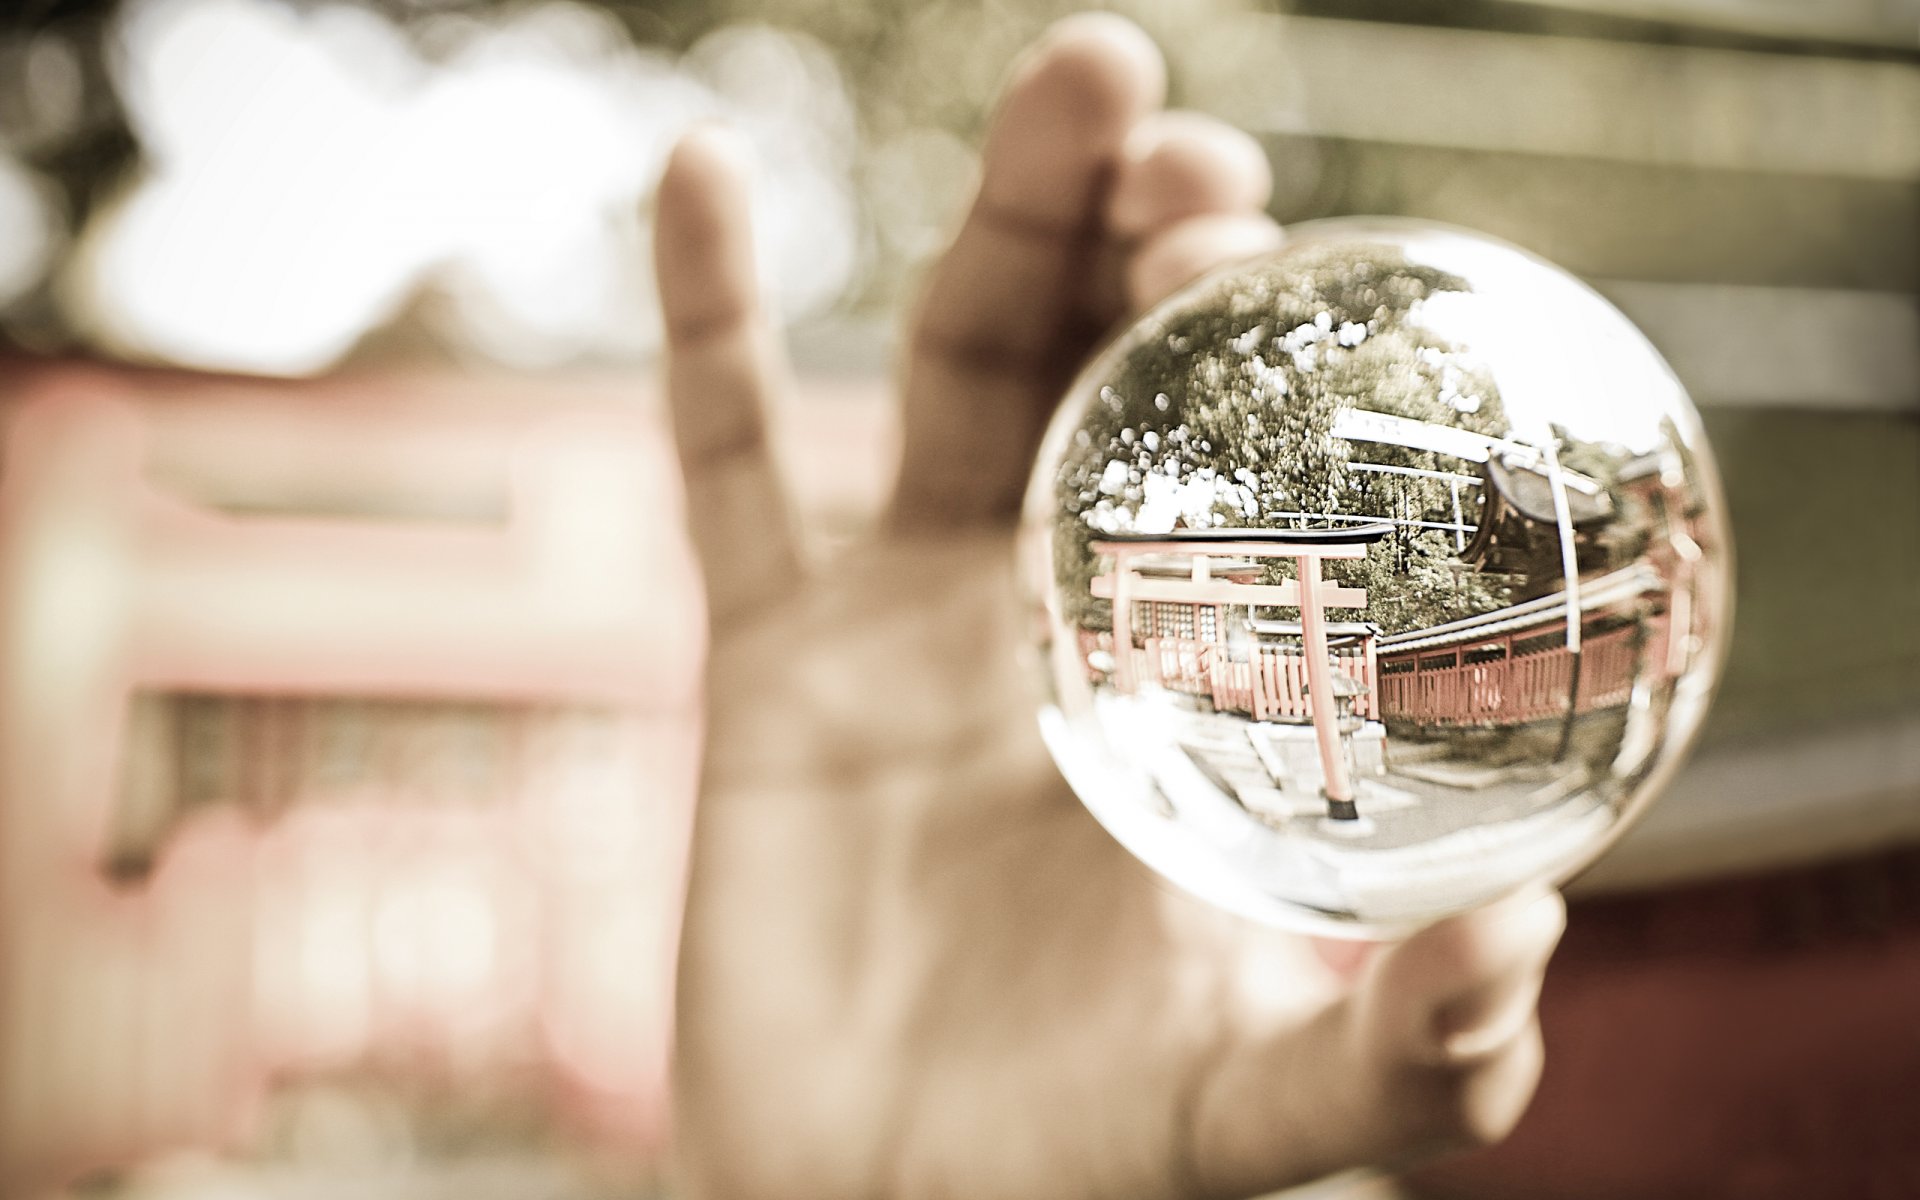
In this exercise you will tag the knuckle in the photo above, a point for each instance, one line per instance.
(1473, 1102)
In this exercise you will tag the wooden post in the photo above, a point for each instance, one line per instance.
(1570, 572)
(1122, 624)
(1326, 715)
(1256, 681)
(1373, 677)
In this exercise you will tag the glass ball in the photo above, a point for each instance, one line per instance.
(1380, 576)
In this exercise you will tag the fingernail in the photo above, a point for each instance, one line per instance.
(1344, 958)
(720, 140)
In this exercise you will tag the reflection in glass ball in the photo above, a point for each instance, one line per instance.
(1382, 576)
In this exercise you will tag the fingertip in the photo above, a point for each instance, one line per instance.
(709, 162)
(703, 236)
(1464, 951)
(1104, 61)
(1182, 164)
(711, 147)
(1464, 989)
(1188, 249)
(1075, 96)
(1528, 918)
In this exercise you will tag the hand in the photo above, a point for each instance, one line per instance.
(913, 964)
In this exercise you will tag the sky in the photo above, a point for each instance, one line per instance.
(1559, 352)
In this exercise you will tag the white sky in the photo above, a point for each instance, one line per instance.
(1558, 351)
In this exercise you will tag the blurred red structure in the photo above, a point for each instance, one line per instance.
(1749, 1037)
(493, 895)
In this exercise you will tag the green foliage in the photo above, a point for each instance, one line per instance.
(1222, 413)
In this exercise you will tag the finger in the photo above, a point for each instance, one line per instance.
(1005, 317)
(724, 369)
(1461, 990)
(1188, 249)
(1175, 166)
(1438, 1047)
(1184, 164)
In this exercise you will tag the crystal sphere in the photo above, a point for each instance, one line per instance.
(1380, 576)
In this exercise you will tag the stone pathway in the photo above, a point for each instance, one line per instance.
(1426, 799)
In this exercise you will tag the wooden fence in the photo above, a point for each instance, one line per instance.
(1508, 681)
(1269, 683)
(1512, 679)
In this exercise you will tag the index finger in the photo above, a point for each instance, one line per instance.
(724, 366)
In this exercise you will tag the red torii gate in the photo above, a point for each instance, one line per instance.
(1307, 591)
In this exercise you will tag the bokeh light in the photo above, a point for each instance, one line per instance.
(29, 229)
(309, 173)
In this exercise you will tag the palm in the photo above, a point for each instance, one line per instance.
(912, 962)
(927, 906)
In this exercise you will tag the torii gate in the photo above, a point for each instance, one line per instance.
(1306, 591)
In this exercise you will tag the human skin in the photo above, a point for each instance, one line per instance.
(913, 965)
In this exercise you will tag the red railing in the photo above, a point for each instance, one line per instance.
(1450, 688)
(1270, 684)
(1473, 685)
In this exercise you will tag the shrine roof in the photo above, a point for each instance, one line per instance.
(1334, 629)
(1356, 534)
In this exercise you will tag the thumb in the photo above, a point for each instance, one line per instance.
(1437, 1047)
(1460, 991)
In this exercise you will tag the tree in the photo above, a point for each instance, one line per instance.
(1222, 413)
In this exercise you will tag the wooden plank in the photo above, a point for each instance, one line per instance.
(1826, 520)
(1855, 22)
(1537, 94)
(1655, 222)
(1802, 793)
(1782, 347)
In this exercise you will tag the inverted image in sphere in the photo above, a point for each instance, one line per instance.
(1379, 577)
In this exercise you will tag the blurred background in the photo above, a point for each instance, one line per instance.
(339, 858)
